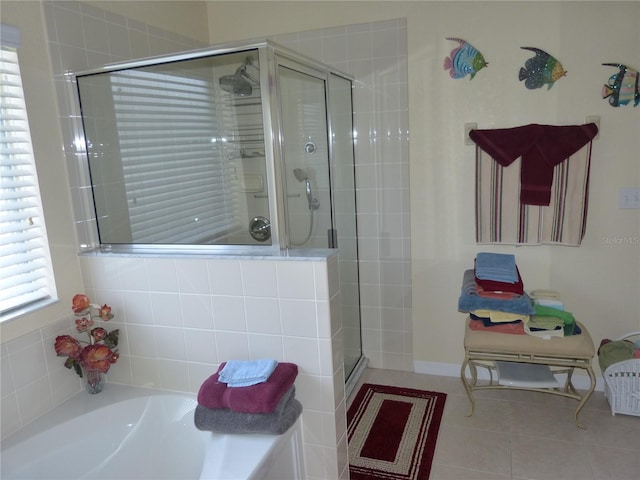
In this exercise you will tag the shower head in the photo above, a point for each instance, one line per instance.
(236, 84)
(240, 82)
(300, 174)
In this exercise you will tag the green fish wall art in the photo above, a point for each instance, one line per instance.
(542, 69)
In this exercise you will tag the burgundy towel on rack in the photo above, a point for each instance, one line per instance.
(260, 398)
(541, 148)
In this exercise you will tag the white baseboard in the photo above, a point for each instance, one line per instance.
(581, 382)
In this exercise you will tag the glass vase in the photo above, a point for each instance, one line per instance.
(93, 380)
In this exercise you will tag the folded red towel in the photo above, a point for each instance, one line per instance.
(259, 398)
(495, 286)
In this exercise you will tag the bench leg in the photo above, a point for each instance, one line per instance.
(585, 398)
(465, 382)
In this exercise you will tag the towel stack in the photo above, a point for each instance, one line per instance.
(493, 294)
(249, 397)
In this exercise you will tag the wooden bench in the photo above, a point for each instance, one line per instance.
(561, 354)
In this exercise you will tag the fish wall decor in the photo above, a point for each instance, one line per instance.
(623, 86)
(464, 60)
(542, 69)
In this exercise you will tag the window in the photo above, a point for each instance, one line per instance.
(25, 266)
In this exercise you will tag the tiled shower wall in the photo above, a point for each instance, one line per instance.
(376, 55)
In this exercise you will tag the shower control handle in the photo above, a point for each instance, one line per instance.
(260, 229)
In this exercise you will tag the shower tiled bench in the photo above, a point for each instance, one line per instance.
(561, 354)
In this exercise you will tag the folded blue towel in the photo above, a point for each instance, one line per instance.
(469, 299)
(244, 373)
(500, 267)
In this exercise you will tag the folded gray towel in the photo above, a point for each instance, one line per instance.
(225, 420)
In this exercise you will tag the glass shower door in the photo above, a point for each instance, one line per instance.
(304, 145)
(319, 178)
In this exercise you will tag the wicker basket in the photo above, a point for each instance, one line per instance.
(622, 384)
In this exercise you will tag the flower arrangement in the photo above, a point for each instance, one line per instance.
(99, 352)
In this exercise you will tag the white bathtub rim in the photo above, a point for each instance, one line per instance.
(226, 456)
(80, 404)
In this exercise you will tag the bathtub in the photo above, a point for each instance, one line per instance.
(136, 433)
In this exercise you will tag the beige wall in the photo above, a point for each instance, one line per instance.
(184, 17)
(600, 281)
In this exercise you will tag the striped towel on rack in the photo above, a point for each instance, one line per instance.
(502, 219)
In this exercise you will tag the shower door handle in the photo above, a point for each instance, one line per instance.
(332, 237)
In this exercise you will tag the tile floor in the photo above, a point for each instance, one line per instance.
(524, 435)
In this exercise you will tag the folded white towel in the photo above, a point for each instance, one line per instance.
(244, 373)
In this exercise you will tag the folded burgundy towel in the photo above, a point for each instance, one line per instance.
(495, 286)
(260, 398)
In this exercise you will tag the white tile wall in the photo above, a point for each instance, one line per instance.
(376, 54)
(176, 315)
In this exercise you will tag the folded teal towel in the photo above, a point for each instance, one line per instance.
(500, 267)
(244, 373)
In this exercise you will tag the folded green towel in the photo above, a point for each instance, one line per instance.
(544, 322)
(567, 317)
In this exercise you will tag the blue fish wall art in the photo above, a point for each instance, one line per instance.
(464, 60)
(542, 69)
(623, 86)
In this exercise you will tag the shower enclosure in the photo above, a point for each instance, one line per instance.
(239, 148)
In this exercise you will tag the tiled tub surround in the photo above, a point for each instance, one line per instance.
(179, 319)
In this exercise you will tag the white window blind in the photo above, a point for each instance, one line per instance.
(25, 273)
(179, 186)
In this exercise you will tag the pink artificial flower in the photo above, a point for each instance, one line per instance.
(82, 324)
(80, 303)
(98, 357)
(67, 346)
(105, 312)
(98, 333)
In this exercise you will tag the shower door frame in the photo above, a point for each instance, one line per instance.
(269, 55)
(307, 66)
(286, 61)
